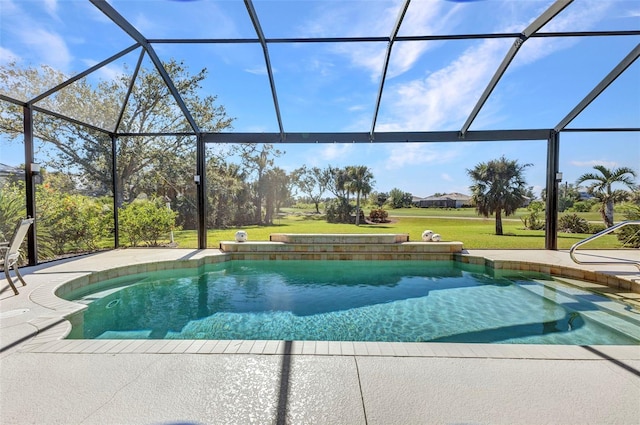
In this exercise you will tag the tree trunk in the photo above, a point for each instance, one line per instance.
(269, 207)
(498, 222)
(358, 209)
(608, 214)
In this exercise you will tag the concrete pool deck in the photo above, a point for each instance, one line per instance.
(47, 380)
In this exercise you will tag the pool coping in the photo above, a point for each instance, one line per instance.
(52, 327)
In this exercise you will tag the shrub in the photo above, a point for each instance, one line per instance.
(74, 222)
(378, 215)
(146, 221)
(630, 235)
(581, 206)
(339, 211)
(12, 209)
(596, 228)
(572, 223)
(533, 221)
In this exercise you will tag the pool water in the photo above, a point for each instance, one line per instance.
(401, 301)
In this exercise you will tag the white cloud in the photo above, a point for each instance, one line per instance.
(407, 154)
(445, 97)
(420, 20)
(258, 71)
(337, 151)
(356, 108)
(108, 72)
(446, 177)
(7, 56)
(50, 47)
(378, 18)
(594, 162)
(583, 17)
(51, 6)
(145, 25)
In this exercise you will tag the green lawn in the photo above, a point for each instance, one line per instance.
(592, 216)
(474, 234)
(471, 213)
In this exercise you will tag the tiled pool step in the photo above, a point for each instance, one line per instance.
(288, 246)
(339, 238)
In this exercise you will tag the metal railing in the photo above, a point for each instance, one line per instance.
(596, 236)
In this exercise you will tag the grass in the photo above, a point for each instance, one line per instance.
(474, 234)
(471, 213)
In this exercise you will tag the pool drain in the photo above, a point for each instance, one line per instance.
(113, 303)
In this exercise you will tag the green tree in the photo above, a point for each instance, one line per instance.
(568, 195)
(226, 193)
(378, 198)
(360, 183)
(338, 184)
(150, 108)
(278, 191)
(396, 198)
(499, 186)
(259, 158)
(338, 210)
(313, 182)
(399, 198)
(634, 196)
(602, 188)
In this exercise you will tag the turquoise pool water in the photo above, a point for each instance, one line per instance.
(402, 301)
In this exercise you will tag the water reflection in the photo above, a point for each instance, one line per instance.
(354, 300)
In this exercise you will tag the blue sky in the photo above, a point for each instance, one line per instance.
(430, 86)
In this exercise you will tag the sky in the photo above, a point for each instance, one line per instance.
(325, 87)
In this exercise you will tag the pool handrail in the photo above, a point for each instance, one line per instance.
(596, 236)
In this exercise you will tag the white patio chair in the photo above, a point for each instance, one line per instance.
(10, 252)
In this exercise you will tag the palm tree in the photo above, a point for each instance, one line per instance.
(499, 186)
(602, 188)
(360, 183)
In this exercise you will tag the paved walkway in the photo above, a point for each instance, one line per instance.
(46, 380)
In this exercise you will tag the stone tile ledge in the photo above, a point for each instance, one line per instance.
(339, 238)
(623, 283)
(51, 344)
(54, 326)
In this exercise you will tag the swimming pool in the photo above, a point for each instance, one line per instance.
(400, 301)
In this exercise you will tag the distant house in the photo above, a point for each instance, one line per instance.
(449, 200)
(9, 173)
(585, 196)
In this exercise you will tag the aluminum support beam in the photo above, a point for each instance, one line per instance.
(551, 209)
(385, 66)
(433, 37)
(201, 188)
(610, 78)
(68, 119)
(379, 137)
(116, 189)
(119, 20)
(132, 83)
(84, 74)
(30, 184)
(546, 16)
(256, 24)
